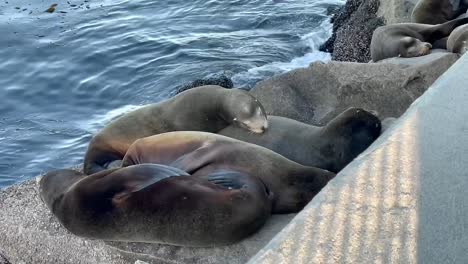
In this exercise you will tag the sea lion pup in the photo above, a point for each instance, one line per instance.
(200, 153)
(435, 11)
(329, 147)
(158, 204)
(206, 108)
(458, 40)
(409, 39)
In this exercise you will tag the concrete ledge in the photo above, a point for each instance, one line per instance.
(404, 200)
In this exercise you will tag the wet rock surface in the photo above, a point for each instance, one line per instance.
(320, 92)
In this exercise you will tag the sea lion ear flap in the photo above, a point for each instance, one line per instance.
(227, 179)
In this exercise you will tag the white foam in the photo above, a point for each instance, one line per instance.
(98, 121)
(312, 39)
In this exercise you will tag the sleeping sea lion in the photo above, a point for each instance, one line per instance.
(200, 153)
(329, 147)
(206, 108)
(409, 39)
(158, 204)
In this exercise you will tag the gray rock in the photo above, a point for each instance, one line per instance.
(318, 93)
(396, 11)
(3, 259)
(29, 233)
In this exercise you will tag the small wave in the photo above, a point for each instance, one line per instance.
(98, 121)
(312, 41)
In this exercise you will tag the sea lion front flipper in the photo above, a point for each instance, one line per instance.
(193, 161)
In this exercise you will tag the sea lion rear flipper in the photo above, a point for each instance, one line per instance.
(227, 179)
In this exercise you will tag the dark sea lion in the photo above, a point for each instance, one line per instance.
(206, 108)
(409, 39)
(330, 147)
(200, 153)
(158, 204)
(435, 11)
(458, 40)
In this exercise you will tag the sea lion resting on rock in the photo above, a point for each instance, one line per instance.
(158, 204)
(330, 147)
(206, 108)
(200, 153)
(409, 39)
(458, 40)
(436, 11)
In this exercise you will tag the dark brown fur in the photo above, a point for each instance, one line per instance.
(200, 153)
(158, 204)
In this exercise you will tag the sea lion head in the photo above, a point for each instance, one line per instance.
(413, 47)
(246, 111)
(352, 131)
(53, 185)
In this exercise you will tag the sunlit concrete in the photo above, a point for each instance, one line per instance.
(404, 200)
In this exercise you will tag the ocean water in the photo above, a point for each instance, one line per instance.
(64, 75)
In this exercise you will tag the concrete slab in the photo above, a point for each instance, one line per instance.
(404, 200)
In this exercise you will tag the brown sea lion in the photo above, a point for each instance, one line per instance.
(329, 147)
(200, 153)
(409, 39)
(434, 12)
(458, 40)
(158, 204)
(206, 108)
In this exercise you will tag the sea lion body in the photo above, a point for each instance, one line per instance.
(409, 39)
(206, 108)
(329, 147)
(157, 204)
(434, 12)
(458, 40)
(200, 153)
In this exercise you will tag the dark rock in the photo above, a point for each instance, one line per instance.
(318, 93)
(353, 26)
(220, 79)
(3, 259)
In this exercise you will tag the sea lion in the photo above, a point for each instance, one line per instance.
(409, 39)
(158, 204)
(458, 40)
(434, 12)
(199, 153)
(206, 108)
(329, 147)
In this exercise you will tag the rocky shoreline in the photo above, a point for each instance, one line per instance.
(30, 234)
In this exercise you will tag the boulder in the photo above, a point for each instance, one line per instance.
(29, 233)
(220, 79)
(355, 22)
(353, 26)
(318, 93)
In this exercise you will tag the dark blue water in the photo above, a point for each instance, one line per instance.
(63, 76)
